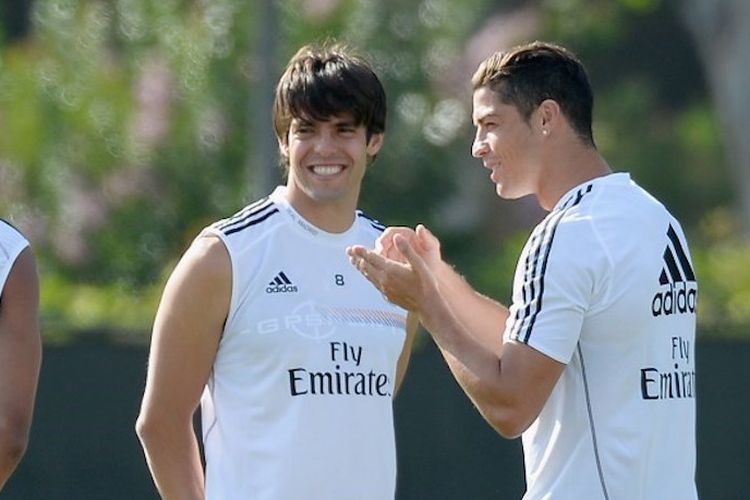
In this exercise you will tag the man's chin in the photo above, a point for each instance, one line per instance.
(503, 191)
(327, 195)
(506, 193)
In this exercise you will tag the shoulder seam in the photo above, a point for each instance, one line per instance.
(251, 215)
(525, 318)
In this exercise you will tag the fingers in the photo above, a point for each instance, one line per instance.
(369, 264)
(428, 240)
(359, 254)
(384, 244)
(412, 256)
(397, 281)
(396, 246)
(391, 231)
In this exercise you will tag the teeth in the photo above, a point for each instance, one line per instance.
(327, 169)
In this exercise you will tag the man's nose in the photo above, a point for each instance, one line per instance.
(479, 148)
(325, 144)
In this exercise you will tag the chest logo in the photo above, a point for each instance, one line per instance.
(281, 284)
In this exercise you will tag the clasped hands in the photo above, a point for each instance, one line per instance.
(403, 265)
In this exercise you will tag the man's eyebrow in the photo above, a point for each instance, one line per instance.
(344, 121)
(486, 116)
(302, 121)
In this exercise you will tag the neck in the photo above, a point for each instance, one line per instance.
(577, 166)
(332, 216)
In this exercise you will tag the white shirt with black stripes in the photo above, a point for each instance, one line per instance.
(299, 402)
(605, 285)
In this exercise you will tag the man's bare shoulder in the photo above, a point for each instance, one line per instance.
(208, 257)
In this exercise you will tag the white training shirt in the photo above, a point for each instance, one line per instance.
(299, 402)
(12, 243)
(606, 286)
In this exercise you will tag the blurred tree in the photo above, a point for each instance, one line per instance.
(721, 29)
(120, 125)
(653, 117)
(261, 165)
(126, 126)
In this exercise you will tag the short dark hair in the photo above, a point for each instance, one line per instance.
(323, 81)
(527, 75)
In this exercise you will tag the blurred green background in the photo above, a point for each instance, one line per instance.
(128, 125)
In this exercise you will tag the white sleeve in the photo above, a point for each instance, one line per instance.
(554, 286)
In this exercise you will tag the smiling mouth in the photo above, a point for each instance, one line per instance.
(327, 170)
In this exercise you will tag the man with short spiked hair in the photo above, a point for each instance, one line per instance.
(593, 364)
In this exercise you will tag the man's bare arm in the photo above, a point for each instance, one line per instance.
(185, 340)
(20, 359)
(509, 388)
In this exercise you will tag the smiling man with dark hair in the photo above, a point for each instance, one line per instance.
(296, 356)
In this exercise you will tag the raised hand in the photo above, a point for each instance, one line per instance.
(402, 266)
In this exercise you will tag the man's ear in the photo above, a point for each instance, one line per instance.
(283, 148)
(374, 144)
(549, 114)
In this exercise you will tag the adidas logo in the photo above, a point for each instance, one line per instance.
(679, 279)
(281, 284)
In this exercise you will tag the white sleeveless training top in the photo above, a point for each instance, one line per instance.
(299, 402)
